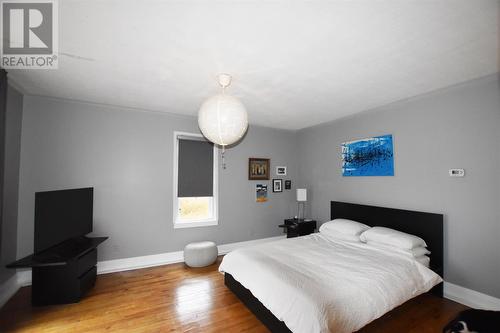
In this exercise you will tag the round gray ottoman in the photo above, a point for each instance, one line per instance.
(200, 254)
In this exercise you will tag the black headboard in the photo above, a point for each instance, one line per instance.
(428, 226)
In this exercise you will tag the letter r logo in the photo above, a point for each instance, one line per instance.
(27, 28)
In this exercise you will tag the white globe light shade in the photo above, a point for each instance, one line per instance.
(223, 119)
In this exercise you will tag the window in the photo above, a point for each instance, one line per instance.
(195, 181)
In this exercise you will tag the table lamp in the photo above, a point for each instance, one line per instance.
(301, 200)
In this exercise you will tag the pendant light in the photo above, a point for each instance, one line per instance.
(223, 118)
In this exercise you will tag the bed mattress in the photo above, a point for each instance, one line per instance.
(316, 284)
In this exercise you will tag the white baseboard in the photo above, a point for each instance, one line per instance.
(452, 291)
(226, 248)
(127, 264)
(8, 289)
(23, 277)
(470, 297)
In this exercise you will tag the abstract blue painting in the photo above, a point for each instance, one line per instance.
(368, 157)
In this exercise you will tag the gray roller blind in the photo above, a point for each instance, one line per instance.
(196, 163)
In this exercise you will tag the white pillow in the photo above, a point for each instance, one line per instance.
(392, 237)
(344, 226)
(424, 260)
(419, 251)
(333, 235)
(415, 252)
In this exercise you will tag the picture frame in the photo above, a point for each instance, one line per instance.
(281, 171)
(258, 168)
(277, 185)
(288, 184)
(261, 193)
(372, 156)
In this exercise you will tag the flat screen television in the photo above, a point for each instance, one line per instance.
(62, 215)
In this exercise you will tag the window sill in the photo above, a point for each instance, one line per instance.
(195, 224)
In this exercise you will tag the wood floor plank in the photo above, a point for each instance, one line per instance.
(175, 298)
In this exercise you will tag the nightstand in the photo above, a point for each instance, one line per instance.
(296, 227)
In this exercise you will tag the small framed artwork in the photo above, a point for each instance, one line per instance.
(281, 171)
(288, 184)
(277, 185)
(261, 193)
(258, 168)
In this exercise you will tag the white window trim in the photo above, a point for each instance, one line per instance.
(195, 223)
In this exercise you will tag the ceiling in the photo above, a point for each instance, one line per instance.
(295, 63)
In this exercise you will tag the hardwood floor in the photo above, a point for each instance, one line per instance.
(175, 298)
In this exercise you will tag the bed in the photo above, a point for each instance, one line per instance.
(298, 285)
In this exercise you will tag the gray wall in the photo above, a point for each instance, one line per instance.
(13, 122)
(127, 155)
(453, 128)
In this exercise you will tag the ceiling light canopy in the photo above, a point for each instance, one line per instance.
(223, 118)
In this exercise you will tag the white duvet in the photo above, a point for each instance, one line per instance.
(314, 284)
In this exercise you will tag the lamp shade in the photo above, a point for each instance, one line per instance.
(223, 119)
(301, 194)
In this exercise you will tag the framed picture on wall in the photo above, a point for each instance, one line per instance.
(258, 168)
(373, 156)
(288, 184)
(277, 185)
(261, 193)
(281, 170)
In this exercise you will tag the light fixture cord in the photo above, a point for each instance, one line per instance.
(223, 157)
(223, 154)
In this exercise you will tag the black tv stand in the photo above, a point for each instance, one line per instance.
(63, 273)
